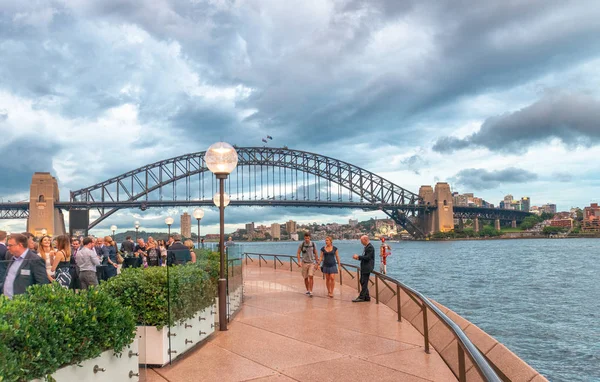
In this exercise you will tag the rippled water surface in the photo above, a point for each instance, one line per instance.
(540, 298)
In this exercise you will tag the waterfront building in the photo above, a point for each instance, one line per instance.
(290, 227)
(186, 225)
(276, 231)
(591, 218)
(562, 222)
(525, 203)
(548, 208)
(353, 222)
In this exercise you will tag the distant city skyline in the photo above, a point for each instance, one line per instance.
(493, 98)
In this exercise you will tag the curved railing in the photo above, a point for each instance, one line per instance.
(465, 345)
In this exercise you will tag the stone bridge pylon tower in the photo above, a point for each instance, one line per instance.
(442, 218)
(43, 193)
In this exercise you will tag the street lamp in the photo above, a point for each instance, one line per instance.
(137, 227)
(44, 231)
(113, 228)
(217, 199)
(169, 221)
(198, 214)
(221, 159)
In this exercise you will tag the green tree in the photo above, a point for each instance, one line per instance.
(550, 230)
(546, 216)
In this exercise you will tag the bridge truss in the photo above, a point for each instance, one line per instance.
(264, 177)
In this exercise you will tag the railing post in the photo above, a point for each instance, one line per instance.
(260, 261)
(425, 328)
(358, 279)
(341, 272)
(246, 255)
(376, 289)
(291, 264)
(398, 302)
(275, 262)
(462, 373)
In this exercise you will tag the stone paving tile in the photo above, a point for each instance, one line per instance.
(417, 362)
(150, 375)
(268, 348)
(213, 363)
(348, 369)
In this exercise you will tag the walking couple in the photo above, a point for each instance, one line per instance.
(329, 261)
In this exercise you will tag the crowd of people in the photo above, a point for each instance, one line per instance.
(80, 262)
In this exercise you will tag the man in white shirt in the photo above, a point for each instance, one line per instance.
(87, 261)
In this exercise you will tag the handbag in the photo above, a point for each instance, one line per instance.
(119, 258)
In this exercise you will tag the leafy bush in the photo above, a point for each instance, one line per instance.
(51, 327)
(209, 261)
(150, 292)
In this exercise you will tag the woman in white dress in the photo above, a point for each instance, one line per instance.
(47, 253)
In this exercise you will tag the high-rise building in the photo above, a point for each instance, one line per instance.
(186, 225)
(525, 203)
(275, 231)
(549, 208)
(353, 222)
(250, 228)
(290, 227)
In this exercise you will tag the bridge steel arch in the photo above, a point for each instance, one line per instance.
(144, 182)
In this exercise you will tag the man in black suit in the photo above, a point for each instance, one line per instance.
(5, 256)
(127, 246)
(178, 253)
(367, 263)
(25, 269)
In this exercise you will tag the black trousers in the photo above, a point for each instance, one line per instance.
(364, 286)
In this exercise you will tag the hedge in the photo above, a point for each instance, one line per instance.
(50, 327)
(150, 292)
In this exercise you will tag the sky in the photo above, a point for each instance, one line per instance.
(493, 97)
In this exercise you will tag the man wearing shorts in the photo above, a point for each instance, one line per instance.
(309, 262)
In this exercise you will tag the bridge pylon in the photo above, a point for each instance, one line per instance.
(427, 219)
(43, 194)
(444, 214)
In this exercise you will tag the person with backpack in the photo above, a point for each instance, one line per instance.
(309, 262)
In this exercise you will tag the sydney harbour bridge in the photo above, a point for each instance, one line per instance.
(265, 176)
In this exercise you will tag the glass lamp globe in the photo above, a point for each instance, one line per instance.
(217, 199)
(169, 221)
(198, 213)
(221, 158)
(113, 227)
(137, 225)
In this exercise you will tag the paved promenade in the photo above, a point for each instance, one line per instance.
(283, 335)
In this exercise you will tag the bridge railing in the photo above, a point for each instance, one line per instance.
(465, 346)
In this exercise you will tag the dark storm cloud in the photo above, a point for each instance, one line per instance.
(481, 179)
(563, 177)
(414, 163)
(20, 159)
(574, 119)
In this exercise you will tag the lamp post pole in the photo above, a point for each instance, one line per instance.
(137, 227)
(221, 158)
(198, 214)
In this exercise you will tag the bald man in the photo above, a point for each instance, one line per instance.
(367, 263)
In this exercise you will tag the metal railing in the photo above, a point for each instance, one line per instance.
(485, 370)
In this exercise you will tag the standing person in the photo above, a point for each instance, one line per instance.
(31, 244)
(128, 246)
(367, 263)
(5, 255)
(75, 247)
(190, 244)
(111, 262)
(47, 254)
(178, 253)
(61, 265)
(384, 252)
(202, 243)
(102, 252)
(329, 261)
(309, 262)
(153, 254)
(163, 252)
(26, 268)
(87, 261)
(170, 241)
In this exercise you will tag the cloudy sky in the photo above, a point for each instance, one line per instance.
(493, 97)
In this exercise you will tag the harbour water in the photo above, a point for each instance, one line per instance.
(541, 298)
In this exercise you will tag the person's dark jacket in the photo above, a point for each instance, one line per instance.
(367, 261)
(5, 257)
(36, 275)
(127, 246)
(102, 254)
(178, 254)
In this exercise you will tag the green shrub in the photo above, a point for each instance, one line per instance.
(51, 327)
(209, 261)
(150, 292)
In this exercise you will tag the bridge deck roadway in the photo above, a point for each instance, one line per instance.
(281, 334)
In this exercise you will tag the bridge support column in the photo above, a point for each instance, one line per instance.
(461, 224)
(497, 224)
(426, 220)
(514, 223)
(476, 224)
(43, 193)
(444, 215)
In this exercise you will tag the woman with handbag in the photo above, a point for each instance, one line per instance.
(329, 261)
(61, 267)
